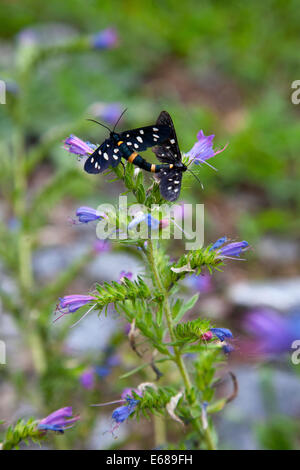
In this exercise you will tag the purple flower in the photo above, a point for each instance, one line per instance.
(77, 146)
(109, 112)
(221, 333)
(203, 149)
(105, 39)
(113, 361)
(87, 214)
(59, 420)
(202, 283)
(273, 333)
(87, 378)
(71, 303)
(102, 246)
(229, 250)
(121, 413)
(123, 274)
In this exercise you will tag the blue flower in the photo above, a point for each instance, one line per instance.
(105, 39)
(121, 413)
(221, 333)
(109, 112)
(87, 214)
(227, 348)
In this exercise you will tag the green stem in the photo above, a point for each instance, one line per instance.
(206, 434)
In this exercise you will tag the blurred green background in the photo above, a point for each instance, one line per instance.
(224, 67)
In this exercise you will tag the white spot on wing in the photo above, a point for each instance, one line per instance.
(139, 139)
(141, 131)
(105, 156)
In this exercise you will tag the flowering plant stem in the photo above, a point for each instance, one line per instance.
(177, 358)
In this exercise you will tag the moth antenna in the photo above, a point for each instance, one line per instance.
(123, 112)
(100, 124)
(195, 176)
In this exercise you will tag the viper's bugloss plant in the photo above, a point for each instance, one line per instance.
(25, 214)
(151, 306)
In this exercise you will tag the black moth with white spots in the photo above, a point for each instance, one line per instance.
(126, 144)
(136, 140)
(169, 153)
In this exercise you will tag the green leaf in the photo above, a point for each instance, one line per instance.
(185, 307)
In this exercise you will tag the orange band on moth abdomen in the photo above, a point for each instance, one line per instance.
(120, 142)
(132, 157)
(153, 168)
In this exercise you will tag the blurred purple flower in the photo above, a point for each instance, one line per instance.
(27, 37)
(229, 250)
(87, 214)
(202, 283)
(59, 420)
(87, 378)
(105, 39)
(123, 274)
(102, 246)
(109, 112)
(77, 146)
(113, 361)
(203, 149)
(272, 332)
(221, 333)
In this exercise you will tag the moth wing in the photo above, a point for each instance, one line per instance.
(170, 184)
(143, 137)
(104, 156)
